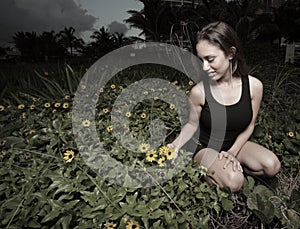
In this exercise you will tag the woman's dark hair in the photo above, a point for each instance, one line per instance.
(223, 36)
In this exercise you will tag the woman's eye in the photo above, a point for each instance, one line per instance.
(210, 59)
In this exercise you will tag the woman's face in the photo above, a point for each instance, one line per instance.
(215, 62)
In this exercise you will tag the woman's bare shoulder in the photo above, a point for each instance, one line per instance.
(255, 82)
(197, 94)
(256, 86)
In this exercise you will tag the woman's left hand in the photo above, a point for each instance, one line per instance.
(230, 158)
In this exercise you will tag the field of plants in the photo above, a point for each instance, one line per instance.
(46, 181)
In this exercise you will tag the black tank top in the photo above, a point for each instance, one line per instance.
(221, 130)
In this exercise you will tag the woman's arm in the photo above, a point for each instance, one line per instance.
(196, 101)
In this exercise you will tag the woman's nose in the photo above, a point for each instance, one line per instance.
(205, 66)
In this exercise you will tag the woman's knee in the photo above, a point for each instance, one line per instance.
(234, 181)
(206, 157)
(272, 166)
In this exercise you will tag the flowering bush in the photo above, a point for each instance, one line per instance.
(46, 182)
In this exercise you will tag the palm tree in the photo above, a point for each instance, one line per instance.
(19, 39)
(101, 35)
(49, 45)
(155, 19)
(102, 44)
(27, 44)
(119, 40)
(69, 40)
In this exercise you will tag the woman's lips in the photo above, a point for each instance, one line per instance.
(211, 74)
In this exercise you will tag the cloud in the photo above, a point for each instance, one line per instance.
(42, 15)
(117, 27)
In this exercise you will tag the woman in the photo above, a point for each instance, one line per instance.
(228, 88)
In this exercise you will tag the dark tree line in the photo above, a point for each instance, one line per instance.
(65, 43)
(161, 22)
(252, 19)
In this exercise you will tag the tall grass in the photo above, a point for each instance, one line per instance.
(47, 81)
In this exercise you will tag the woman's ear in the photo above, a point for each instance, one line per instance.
(232, 52)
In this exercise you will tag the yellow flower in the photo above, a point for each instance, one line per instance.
(191, 83)
(143, 115)
(32, 107)
(172, 106)
(30, 132)
(101, 90)
(23, 115)
(144, 147)
(21, 106)
(132, 225)
(67, 97)
(175, 82)
(105, 110)
(203, 170)
(128, 114)
(145, 92)
(112, 86)
(163, 150)
(65, 105)
(2, 108)
(167, 152)
(291, 134)
(161, 161)
(110, 225)
(27, 155)
(57, 105)
(83, 87)
(46, 73)
(151, 155)
(2, 142)
(155, 98)
(170, 154)
(34, 99)
(69, 156)
(2, 154)
(47, 105)
(269, 136)
(109, 128)
(54, 111)
(86, 123)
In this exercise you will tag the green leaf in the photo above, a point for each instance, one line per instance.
(155, 203)
(261, 207)
(34, 224)
(71, 204)
(9, 128)
(65, 221)
(156, 214)
(157, 225)
(227, 204)
(50, 216)
(248, 185)
(182, 186)
(14, 141)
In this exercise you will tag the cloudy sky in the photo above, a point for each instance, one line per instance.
(47, 15)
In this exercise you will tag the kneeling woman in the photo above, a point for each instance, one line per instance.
(227, 87)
